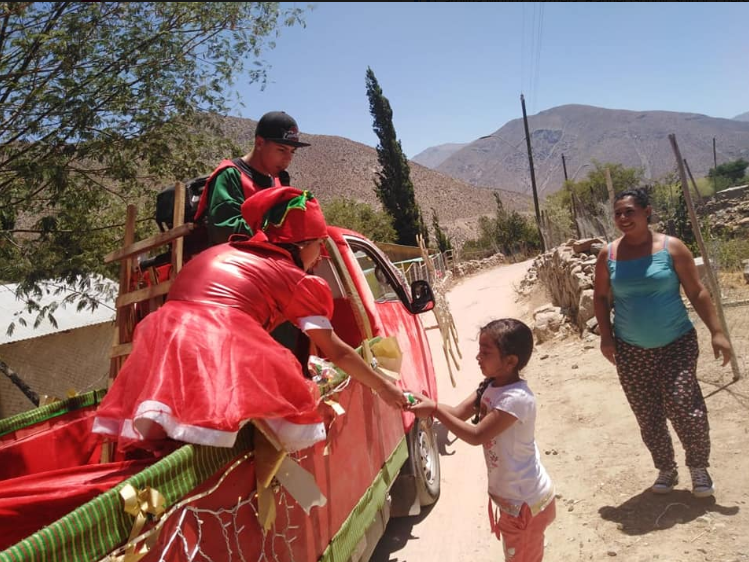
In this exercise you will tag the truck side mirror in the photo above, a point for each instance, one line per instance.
(422, 297)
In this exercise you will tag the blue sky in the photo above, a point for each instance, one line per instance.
(454, 71)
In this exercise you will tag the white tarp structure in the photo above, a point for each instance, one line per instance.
(66, 314)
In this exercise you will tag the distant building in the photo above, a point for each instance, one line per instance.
(73, 356)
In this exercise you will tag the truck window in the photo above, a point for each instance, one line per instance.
(378, 277)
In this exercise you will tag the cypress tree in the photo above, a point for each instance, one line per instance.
(393, 183)
(443, 241)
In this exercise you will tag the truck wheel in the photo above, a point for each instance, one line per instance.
(422, 448)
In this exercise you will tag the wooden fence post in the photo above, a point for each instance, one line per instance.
(711, 278)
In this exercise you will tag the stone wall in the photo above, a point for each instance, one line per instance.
(472, 266)
(567, 272)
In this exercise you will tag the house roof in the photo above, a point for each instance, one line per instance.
(67, 315)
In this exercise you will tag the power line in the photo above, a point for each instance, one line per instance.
(537, 75)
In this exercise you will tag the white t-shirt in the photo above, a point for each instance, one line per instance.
(513, 463)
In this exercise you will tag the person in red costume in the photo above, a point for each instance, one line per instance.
(205, 363)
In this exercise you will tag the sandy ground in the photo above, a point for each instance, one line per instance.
(590, 444)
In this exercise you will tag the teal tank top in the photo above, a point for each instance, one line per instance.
(648, 310)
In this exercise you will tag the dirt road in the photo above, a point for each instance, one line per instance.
(590, 445)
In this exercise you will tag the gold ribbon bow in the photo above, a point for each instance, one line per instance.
(140, 504)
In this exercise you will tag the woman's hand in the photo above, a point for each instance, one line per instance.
(392, 395)
(722, 346)
(608, 348)
(424, 408)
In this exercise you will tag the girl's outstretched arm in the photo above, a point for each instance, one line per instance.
(494, 423)
(464, 410)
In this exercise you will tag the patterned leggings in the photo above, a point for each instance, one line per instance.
(660, 384)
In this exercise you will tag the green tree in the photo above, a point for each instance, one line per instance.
(592, 190)
(443, 240)
(508, 232)
(733, 171)
(591, 198)
(360, 217)
(393, 184)
(98, 102)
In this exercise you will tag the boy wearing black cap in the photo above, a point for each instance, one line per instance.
(233, 181)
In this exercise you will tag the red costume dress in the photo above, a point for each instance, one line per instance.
(204, 363)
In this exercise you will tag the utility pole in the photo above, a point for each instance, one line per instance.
(533, 173)
(564, 167)
(715, 155)
(715, 168)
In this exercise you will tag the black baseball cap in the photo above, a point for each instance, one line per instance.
(280, 127)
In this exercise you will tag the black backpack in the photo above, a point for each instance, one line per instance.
(165, 202)
(197, 239)
(193, 189)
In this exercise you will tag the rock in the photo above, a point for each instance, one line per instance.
(585, 308)
(583, 246)
(547, 323)
(548, 307)
(567, 273)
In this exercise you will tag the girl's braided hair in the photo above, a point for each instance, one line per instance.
(477, 403)
(512, 337)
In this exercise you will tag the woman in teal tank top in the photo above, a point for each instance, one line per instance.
(652, 341)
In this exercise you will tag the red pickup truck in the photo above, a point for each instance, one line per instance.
(60, 502)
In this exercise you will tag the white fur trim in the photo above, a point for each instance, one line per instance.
(295, 437)
(314, 323)
(152, 412)
(292, 436)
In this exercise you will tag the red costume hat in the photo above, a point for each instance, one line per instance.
(284, 214)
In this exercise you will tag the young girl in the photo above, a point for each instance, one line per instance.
(504, 414)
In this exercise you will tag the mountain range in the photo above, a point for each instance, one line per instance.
(458, 180)
(583, 134)
(435, 155)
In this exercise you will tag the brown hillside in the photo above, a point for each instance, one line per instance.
(338, 167)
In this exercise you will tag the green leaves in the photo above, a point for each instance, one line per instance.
(103, 103)
(443, 241)
(732, 173)
(360, 217)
